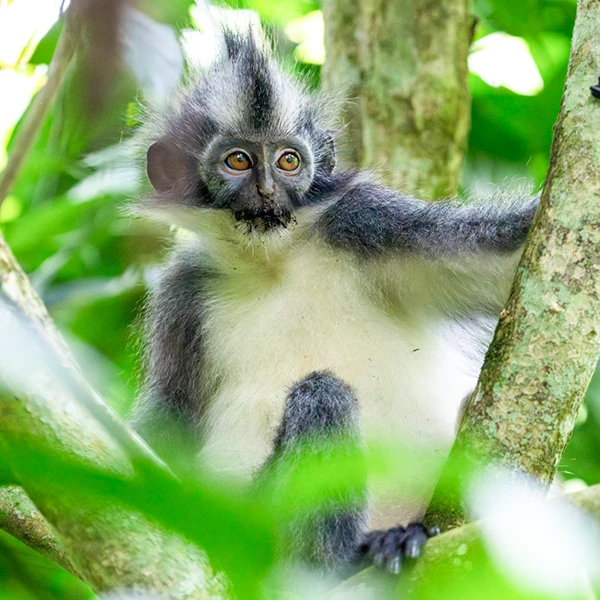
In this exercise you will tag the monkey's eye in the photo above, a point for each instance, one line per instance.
(289, 161)
(238, 161)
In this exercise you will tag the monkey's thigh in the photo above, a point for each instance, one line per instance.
(320, 419)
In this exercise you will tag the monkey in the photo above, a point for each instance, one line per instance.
(300, 299)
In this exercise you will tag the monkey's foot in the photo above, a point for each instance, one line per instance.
(387, 549)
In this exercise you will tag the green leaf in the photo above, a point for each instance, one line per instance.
(44, 51)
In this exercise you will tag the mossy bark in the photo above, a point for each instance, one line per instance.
(109, 546)
(403, 66)
(21, 518)
(547, 344)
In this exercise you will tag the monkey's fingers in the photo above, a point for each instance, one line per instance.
(388, 549)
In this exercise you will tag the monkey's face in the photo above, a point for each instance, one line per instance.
(245, 138)
(261, 182)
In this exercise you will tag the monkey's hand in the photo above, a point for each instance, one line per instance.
(387, 549)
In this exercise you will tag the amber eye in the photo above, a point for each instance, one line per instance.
(289, 161)
(238, 161)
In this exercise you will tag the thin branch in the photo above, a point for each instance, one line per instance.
(20, 518)
(111, 545)
(65, 49)
(547, 345)
(16, 286)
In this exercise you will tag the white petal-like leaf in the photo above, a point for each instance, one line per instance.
(151, 50)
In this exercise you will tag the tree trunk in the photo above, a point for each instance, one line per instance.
(547, 344)
(403, 65)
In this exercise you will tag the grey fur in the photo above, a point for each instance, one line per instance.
(370, 220)
(321, 413)
(168, 411)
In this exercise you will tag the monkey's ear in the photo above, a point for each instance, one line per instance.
(167, 165)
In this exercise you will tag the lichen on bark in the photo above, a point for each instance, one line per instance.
(21, 518)
(110, 546)
(403, 66)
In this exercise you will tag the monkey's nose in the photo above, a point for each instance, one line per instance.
(265, 191)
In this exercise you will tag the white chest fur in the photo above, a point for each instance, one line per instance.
(272, 321)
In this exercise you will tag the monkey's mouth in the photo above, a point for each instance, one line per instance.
(263, 218)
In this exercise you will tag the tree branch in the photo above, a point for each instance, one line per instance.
(547, 345)
(20, 517)
(16, 287)
(110, 545)
(65, 49)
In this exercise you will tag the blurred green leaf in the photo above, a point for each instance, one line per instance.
(26, 575)
(44, 51)
(174, 12)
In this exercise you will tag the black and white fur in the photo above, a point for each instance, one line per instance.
(311, 303)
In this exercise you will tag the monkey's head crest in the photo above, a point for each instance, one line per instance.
(245, 137)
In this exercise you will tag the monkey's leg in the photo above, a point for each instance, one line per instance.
(320, 419)
(320, 416)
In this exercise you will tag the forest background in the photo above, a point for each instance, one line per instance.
(92, 265)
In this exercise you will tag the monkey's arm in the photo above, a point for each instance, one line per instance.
(445, 250)
(169, 407)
